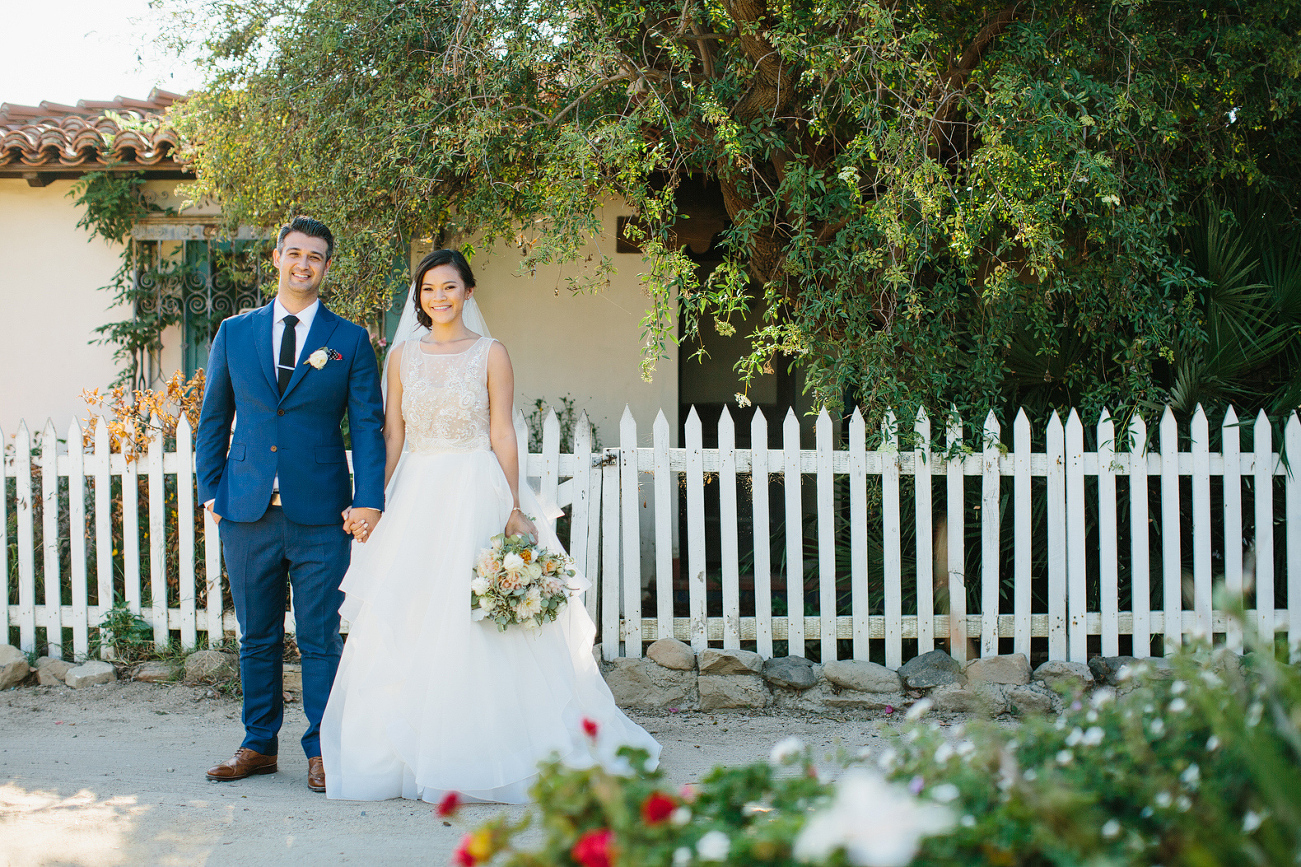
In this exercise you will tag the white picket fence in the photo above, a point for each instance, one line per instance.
(609, 490)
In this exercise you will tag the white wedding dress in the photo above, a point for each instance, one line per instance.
(428, 700)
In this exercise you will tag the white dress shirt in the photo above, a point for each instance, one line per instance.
(305, 317)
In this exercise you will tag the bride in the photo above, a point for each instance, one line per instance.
(427, 700)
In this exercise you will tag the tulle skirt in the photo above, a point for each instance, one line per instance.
(428, 700)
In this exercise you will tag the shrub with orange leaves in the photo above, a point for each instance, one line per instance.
(136, 418)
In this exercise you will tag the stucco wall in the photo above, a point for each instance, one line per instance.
(50, 306)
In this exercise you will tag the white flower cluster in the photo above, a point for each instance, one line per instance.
(516, 581)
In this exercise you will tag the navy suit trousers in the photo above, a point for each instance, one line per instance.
(263, 558)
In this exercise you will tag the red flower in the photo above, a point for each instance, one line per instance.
(475, 848)
(590, 727)
(449, 805)
(462, 857)
(594, 849)
(656, 808)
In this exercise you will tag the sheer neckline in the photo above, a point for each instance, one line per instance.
(420, 344)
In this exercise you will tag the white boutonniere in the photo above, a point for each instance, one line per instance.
(323, 356)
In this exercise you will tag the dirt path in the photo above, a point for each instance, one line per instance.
(113, 775)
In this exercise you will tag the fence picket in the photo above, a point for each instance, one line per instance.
(580, 511)
(50, 541)
(549, 481)
(26, 614)
(157, 538)
(826, 504)
(1056, 446)
(696, 534)
(860, 601)
(956, 528)
(1108, 544)
(891, 555)
(1264, 496)
(761, 530)
(1231, 446)
(1171, 565)
(728, 530)
(103, 517)
(610, 554)
(1140, 574)
(1023, 539)
(594, 483)
(989, 535)
(1077, 631)
(1201, 494)
(664, 484)
(1292, 497)
(631, 521)
(794, 535)
(130, 531)
(77, 540)
(924, 518)
(185, 530)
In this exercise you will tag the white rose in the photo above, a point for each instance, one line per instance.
(513, 562)
(714, 846)
(532, 572)
(479, 585)
(318, 358)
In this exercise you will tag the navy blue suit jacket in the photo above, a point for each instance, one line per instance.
(297, 435)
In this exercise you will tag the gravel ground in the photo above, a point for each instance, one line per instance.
(114, 775)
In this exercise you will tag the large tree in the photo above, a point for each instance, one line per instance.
(929, 202)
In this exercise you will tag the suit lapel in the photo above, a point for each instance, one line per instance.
(262, 343)
(323, 325)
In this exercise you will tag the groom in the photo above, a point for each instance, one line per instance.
(280, 378)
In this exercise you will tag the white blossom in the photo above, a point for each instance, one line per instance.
(944, 753)
(1191, 776)
(681, 856)
(1093, 736)
(1212, 743)
(944, 793)
(512, 562)
(1065, 757)
(1163, 800)
(1252, 821)
(1178, 706)
(680, 816)
(714, 846)
(878, 824)
(919, 710)
(1111, 829)
(786, 750)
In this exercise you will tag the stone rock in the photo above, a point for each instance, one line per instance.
(855, 700)
(210, 666)
(1012, 669)
(1034, 698)
(730, 662)
(1059, 675)
(790, 672)
(155, 672)
(1106, 668)
(860, 675)
(90, 673)
(720, 692)
(932, 669)
(13, 666)
(52, 672)
(983, 698)
(646, 684)
(292, 681)
(671, 653)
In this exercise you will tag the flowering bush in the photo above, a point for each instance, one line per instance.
(1203, 768)
(516, 581)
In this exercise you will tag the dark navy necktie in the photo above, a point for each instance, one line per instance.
(288, 353)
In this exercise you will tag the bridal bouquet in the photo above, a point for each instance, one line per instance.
(516, 581)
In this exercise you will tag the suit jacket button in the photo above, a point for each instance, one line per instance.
(280, 412)
(273, 448)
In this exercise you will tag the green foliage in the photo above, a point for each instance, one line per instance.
(126, 634)
(930, 203)
(1199, 766)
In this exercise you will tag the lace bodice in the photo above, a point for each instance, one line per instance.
(445, 398)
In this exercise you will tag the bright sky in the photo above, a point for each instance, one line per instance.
(85, 49)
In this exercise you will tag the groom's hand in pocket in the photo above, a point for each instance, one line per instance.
(360, 522)
(215, 517)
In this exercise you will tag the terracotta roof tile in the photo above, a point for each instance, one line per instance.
(89, 135)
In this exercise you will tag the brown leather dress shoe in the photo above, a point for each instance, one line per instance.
(244, 763)
(316, 774)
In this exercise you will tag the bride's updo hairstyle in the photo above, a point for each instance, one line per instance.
(433, 260)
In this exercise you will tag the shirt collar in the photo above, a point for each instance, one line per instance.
(305, 316)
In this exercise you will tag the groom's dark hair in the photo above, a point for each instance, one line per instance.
(433, 260)
(310, 227)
